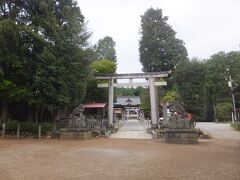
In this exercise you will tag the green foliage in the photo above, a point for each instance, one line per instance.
(104, 66)
(12, 64)
(218, 69)
(145, 102)
(159, 49)
(28, 127)
(105, 49)
(95, 94)
(224, 111)
(189, 78)
(44, 54)
(170, 96)
(236, 125)
(129, 91)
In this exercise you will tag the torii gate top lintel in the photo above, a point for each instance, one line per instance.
(133, 75)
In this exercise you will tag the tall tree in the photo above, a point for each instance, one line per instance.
(105, 49)
(52, 56)
(189, 78)
(159, 49)
(219, 67)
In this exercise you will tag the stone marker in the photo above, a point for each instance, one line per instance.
(3, 130)
(18, 131)
(39, 132)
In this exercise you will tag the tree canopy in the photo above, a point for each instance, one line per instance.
(104, 66)
(159, 49)
(44, 53)
(105, 49)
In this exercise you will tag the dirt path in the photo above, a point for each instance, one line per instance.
(118, 159)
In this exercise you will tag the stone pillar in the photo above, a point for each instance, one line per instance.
(3, 130)
(165, 111)
(153, 100)
(18, 131)
(110, 102)
(39, 132)
(157, 109)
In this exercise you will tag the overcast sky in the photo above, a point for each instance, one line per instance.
(206, 26)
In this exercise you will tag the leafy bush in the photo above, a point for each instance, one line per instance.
(236, 126)
(30, 127)
(224, 111)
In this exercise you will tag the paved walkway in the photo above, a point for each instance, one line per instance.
(132, 129)
(219, 130)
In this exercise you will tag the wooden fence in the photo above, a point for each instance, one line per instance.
(96, 124)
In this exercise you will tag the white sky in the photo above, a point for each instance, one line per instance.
(206, 26)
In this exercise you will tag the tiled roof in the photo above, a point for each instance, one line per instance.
(94, 105)
(128, 100)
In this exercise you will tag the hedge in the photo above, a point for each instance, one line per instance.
(28, 126)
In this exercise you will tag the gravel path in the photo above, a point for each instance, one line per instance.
(108, 159)
(219, 130)
(117, 159)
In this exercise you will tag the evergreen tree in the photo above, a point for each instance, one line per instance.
(105, 49)
(48, 51)
(219, 67)
(159, 49)
(189, 79)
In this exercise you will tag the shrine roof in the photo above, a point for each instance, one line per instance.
(128, 100)
(94, 105)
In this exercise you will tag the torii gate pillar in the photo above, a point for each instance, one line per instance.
(110, 102)
(154, 102)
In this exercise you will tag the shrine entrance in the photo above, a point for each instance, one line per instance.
(151, 82)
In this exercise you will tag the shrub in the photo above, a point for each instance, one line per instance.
(236, 126)
(224, 111)
(30, 127)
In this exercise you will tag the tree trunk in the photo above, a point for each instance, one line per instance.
(4, 111)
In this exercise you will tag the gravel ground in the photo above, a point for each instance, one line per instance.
(219, 130)
(103, 158)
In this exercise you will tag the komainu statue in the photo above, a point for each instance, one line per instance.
(179, 118)
(179, 127)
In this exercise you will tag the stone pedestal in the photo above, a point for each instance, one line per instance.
(70, 133)
(181, 136)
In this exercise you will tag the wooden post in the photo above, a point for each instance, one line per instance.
(3, 130)
(39, 132)
(18, 131)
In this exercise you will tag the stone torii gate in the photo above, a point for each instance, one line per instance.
(152, 83)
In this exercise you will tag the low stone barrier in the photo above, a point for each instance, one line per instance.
(81, 134)
(181, 136)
